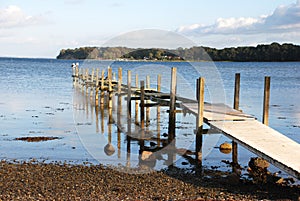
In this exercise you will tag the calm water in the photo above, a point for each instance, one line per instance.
(38, 99)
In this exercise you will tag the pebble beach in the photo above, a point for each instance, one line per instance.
(40, 181)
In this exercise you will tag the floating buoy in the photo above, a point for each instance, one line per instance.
(109, 149)
(225, 148)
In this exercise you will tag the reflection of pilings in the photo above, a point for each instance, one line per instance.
(102, 118)
(236, 107)
(172, 114)
(97, 119)
(199, 140)
(171, 153)
(110, 120)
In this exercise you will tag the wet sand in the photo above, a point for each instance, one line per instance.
(40, 181)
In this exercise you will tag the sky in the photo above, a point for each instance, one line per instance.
(41, 28)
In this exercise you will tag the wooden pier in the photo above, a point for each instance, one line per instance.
(241, 128)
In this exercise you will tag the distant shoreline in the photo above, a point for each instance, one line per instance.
(261, 53)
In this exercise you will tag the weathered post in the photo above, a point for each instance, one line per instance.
(129, 102)
(97, 88)
(172, 114)
(142, 110)
(199, 140)
(136, 101)
(236, 102)
(102, 88)
(110, 91)
(142, 132)
(86, 81)
(92, 82)
(158, 110)
(147, 108)
(266, 101)
(120, 80)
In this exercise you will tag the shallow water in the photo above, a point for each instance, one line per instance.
(38, 99)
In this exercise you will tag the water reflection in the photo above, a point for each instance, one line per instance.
(113, 136)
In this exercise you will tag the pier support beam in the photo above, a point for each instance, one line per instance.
(236, 103)
(172, 114)
(199, 125)
(129, 102)
(266, 105)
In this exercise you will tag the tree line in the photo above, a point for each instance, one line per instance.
(271, 52)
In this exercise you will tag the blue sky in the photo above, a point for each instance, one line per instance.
(40, 28)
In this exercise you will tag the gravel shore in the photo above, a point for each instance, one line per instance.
(39, 181)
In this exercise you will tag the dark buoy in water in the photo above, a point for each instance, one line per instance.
(109, 149)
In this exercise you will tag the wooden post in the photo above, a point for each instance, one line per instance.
(236, 103)
(236, 100)
(97, 88)
(110, 91)
(158, 110)
(86, 80)
(265, 119)
(120, 81)
(142, 115)
(102, 88)
(199, 124)
(158, 83)
(142, 141)
(136, 101)
(172, 114)
(147, 108)
(129, 102)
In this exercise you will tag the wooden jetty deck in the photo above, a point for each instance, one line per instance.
(260, 139)
(242, 128)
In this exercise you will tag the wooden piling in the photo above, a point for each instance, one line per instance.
(129, 102)
(136, 101)
(147, 108)
(236, 100)
(120, 80)
(142, 110)
(172, 114)
(266, 105)
(158, 111)
(158, 83)
(97, 88)
(110, 91)
(102, 88)
(86, 81)
(236, 103)
(199, 139)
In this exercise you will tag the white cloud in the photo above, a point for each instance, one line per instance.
(13, 16)
(284, 18)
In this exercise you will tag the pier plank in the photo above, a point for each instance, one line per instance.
(217, 112)
(264, 141)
